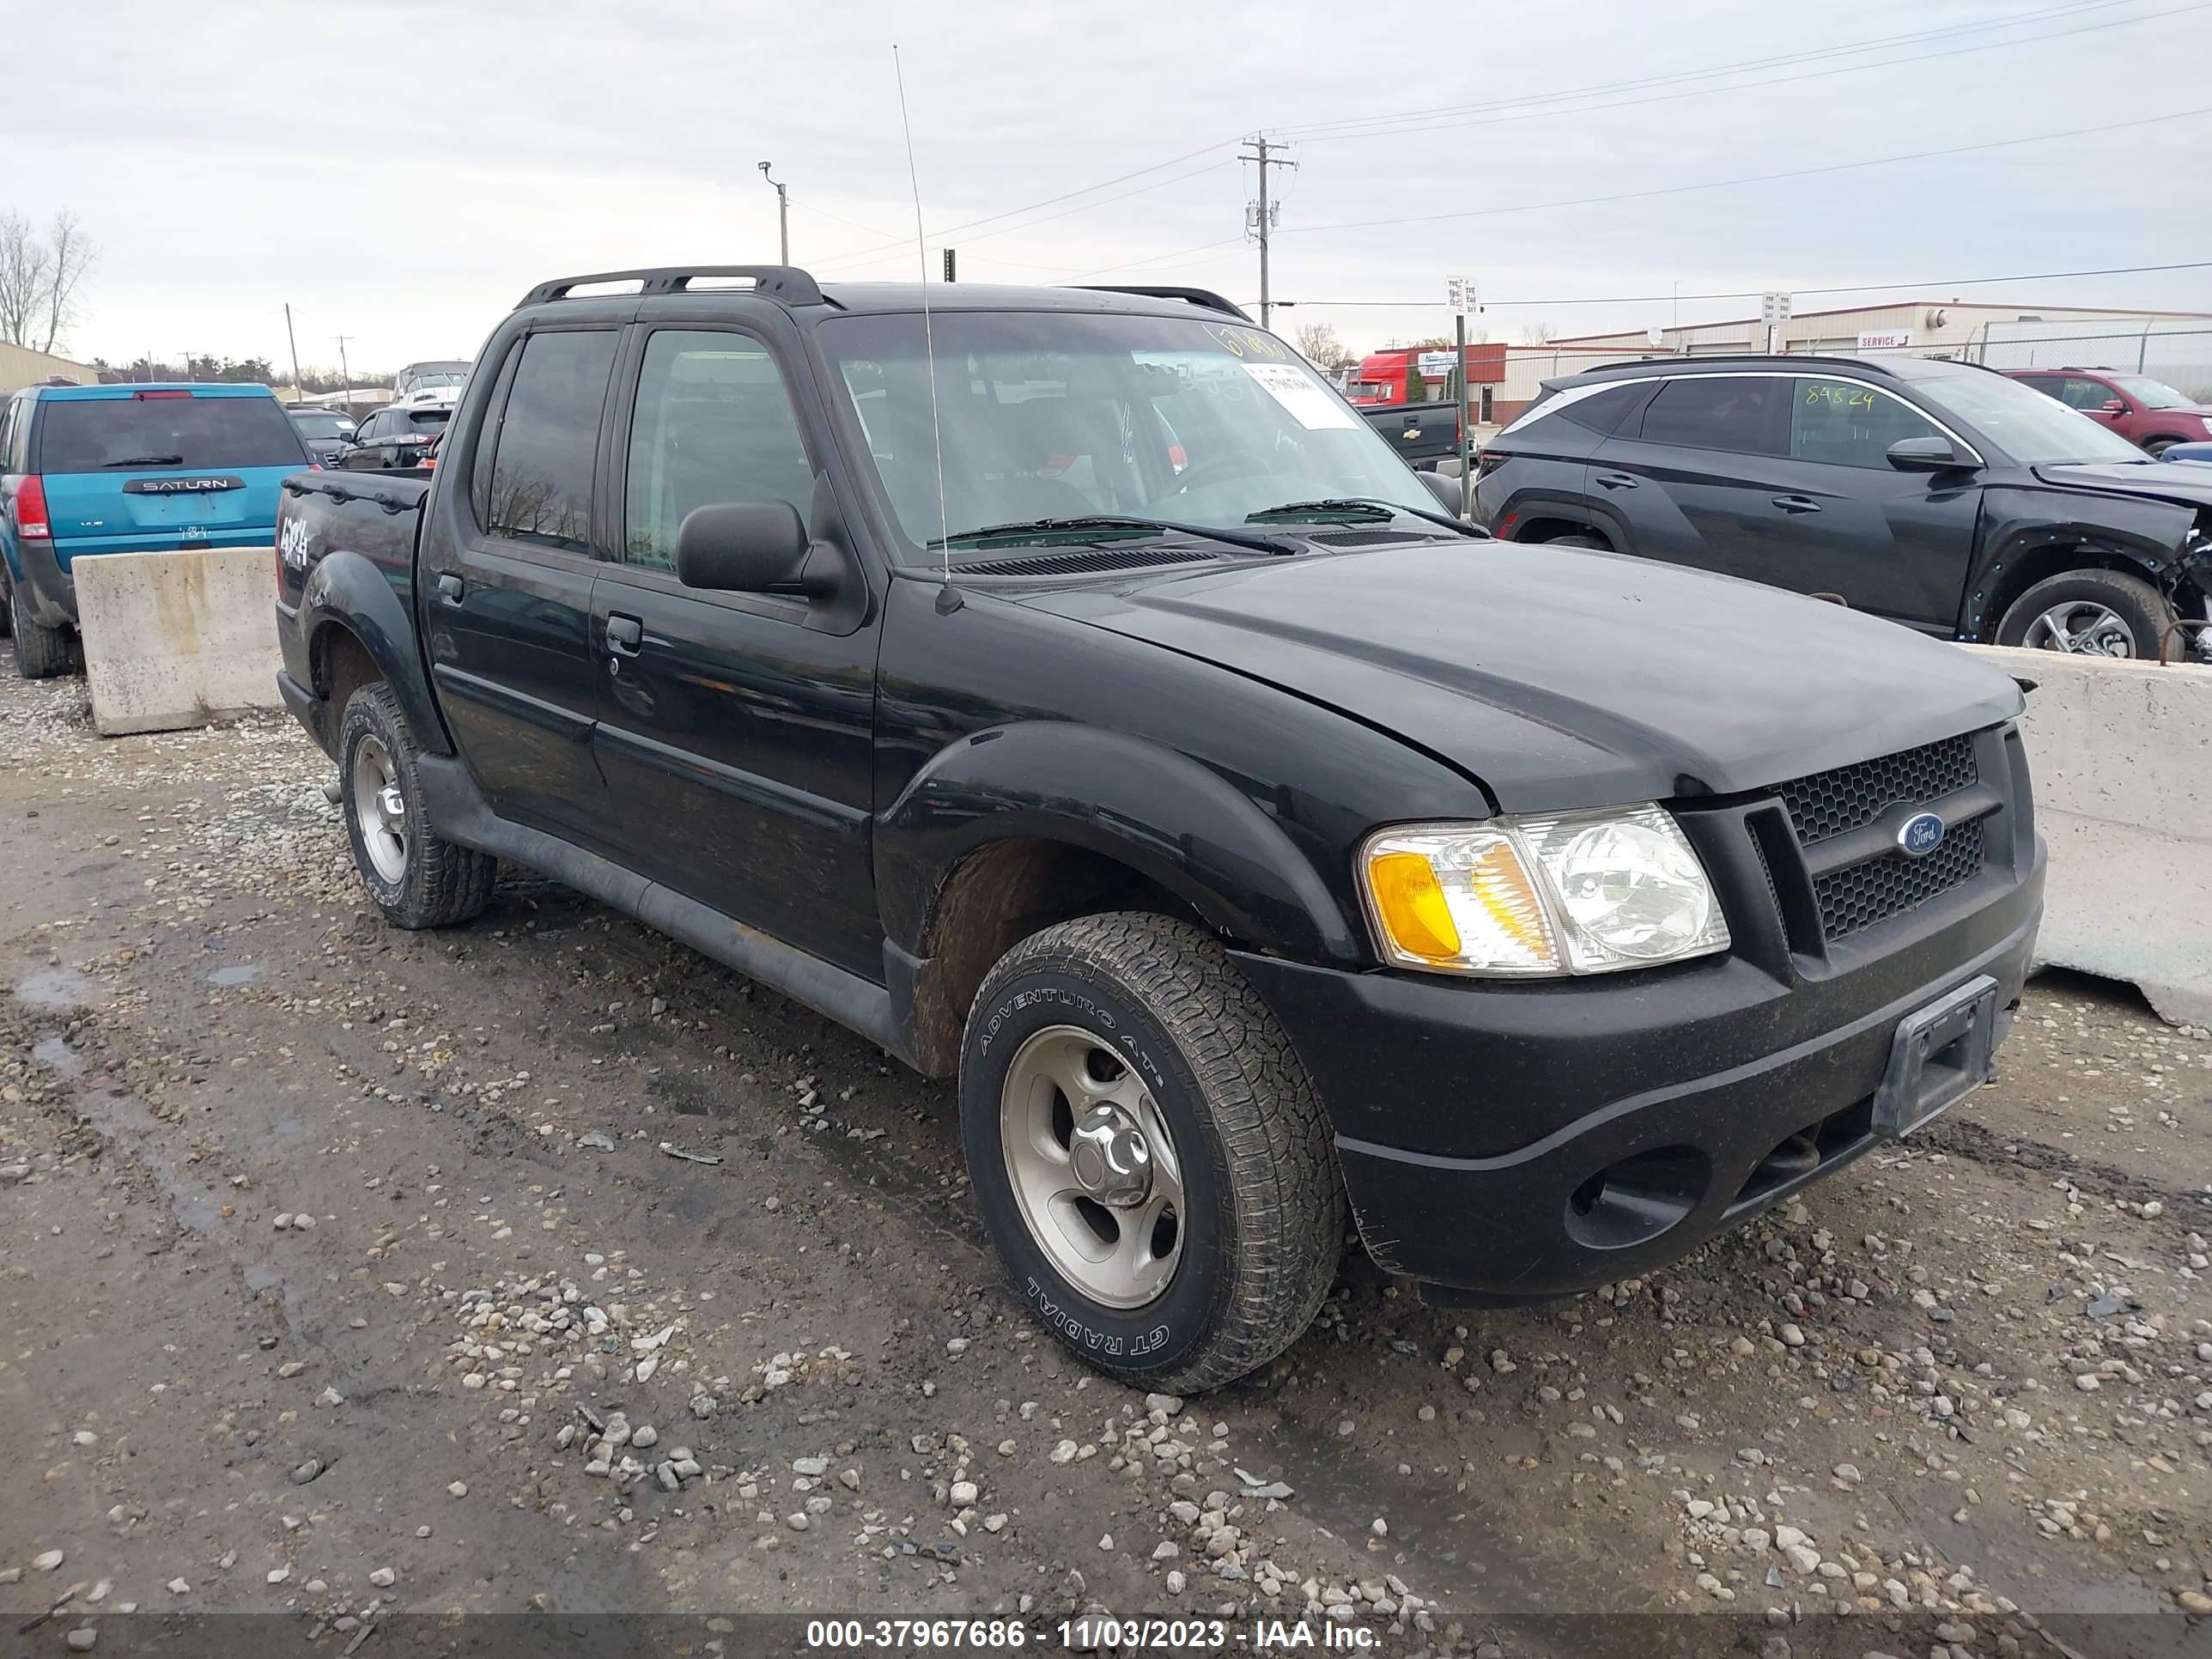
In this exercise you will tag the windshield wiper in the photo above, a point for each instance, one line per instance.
(1368, 508)
(149, 460)
(1110, 521)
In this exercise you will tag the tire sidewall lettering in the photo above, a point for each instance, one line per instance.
(1142, 1338)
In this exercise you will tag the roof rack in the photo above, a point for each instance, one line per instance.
(788, 283)
(1197, 296)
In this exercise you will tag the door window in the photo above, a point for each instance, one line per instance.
(714, 423)
(2077, 393)
(541, 476)
(1717, 411)
(1843, 424)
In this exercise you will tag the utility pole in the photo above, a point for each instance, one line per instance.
(345, 374)
(1262, 213)
(782, 216)
(298, 390)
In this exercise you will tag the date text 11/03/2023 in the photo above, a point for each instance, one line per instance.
(1087, 1634)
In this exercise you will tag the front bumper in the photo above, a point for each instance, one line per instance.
(1503, 1142)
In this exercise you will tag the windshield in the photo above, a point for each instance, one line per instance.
(322, 426)
(2152, 394)
(86, 435)
(1055, 414)
(2035, 430)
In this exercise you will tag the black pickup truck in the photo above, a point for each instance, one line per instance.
(1065, 689)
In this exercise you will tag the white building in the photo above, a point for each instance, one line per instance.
(2002, 336)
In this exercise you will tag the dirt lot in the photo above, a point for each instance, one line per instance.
(334, 1257)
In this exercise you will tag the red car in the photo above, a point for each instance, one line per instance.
(2146, 412)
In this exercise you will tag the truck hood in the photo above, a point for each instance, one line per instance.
(2155, 480)
(1559, 677)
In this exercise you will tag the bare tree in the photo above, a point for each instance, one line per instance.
(40, 275)
(1537, 334)
(72, 254)
(1319, 344)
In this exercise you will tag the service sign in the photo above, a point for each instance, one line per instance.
(1889, 341)
(1459, 294)
(1434, 365)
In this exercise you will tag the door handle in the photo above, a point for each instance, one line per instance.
(624, 635)
(1615, 480)
(450, 589)
(1797, 503)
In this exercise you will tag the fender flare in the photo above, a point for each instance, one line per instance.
(348, 590)
(1145, 804)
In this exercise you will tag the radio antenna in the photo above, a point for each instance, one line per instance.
(928, 334)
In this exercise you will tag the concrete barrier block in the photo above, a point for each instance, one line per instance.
(2121, 753)
(175, 640)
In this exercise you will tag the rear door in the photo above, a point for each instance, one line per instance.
(130, 470)
(506, 611)
(736, 730)
(1693, 481)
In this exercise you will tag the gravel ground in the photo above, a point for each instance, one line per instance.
(349, 1275)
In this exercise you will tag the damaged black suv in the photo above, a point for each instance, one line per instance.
(1943, 496)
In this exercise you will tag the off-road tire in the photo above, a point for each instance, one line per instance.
(2132, 599)
(41, 653)
(7, 602)
(1265, 1227)
(441, 883)
(1590, 542)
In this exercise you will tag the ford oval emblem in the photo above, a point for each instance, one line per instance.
(1921, 834)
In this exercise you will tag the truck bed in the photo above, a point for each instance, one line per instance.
(372, 513)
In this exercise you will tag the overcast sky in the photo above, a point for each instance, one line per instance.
(401, 171)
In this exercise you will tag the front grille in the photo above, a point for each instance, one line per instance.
(1860, 895)
(1830, 803)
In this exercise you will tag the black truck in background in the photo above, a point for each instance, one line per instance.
(1118, 725)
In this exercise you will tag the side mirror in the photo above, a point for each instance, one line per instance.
(2112, 406)
(742, 547)
(1446, 490)
(1930, 454)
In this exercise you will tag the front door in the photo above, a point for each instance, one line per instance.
(1845, 521)
(735, 732)
(508, 619)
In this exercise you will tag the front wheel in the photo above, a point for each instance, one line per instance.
(416, 877)
(2093, 613)
(1147, 1151)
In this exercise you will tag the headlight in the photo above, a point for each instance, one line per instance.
(1562, 893)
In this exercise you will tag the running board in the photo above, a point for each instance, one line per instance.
(459, 812)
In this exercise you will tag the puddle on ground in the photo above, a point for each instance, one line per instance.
(52, 1049)
(238, 973)
(54, 990)
(119, 1116)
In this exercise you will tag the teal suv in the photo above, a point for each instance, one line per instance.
(86, 469)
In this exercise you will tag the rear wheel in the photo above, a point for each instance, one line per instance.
(416, 877)
(1590, 542)
(2094, 613)
(41, 653)
(1147, 1151)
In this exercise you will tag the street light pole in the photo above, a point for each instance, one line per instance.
(345, 373)
(782, 216)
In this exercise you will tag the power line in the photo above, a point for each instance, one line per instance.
(1049, 201)
(1674, 77)
(1754, 294)
(1750, 179)
(1742, 85)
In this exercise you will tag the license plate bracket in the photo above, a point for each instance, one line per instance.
(1940, 1055)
